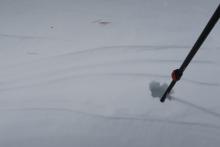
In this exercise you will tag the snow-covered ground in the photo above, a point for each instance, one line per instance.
(77, 73)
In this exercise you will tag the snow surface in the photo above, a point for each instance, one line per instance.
(77, 73)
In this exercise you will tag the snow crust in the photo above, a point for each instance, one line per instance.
(77, 73)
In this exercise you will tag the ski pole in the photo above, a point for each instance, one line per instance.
(177, 73)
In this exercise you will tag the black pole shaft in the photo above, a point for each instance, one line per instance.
(213, 20)
(201, 38)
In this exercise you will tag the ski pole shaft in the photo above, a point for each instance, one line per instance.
(213, 20)
(167, 91)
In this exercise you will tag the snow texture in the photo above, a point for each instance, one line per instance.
(158, 90)
(84, 73)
